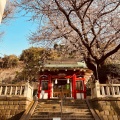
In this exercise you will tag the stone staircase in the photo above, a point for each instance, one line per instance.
(71, 110)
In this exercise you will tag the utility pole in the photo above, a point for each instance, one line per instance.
(2, 7)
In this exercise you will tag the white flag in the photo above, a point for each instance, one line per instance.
(2, 7)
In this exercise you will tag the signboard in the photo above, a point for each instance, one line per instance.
(2, 7)
(56, 118)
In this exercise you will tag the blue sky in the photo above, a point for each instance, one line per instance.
(15, 38)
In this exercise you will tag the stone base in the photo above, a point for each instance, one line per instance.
(12, 107)
(107, 108)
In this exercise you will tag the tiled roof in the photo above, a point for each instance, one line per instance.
(66, 65)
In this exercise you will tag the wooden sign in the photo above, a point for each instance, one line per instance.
(61, 74)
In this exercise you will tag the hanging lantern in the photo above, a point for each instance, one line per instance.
(65, 69)
(68, 81)
(56, 81)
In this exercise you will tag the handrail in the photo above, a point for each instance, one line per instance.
(95, 115)
(31, 110)
(25, 114)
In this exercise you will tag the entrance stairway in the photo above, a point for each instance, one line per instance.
(71, 110)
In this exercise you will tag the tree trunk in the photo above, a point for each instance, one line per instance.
(96, 69)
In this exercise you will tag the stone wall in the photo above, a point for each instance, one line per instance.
(12, 108)
(107, 108)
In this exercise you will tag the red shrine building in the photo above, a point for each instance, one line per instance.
(67, 80)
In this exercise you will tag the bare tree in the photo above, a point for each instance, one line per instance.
(90, 26)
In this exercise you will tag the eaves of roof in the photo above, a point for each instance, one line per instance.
(77, 65)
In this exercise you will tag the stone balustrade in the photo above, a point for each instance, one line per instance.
(23, 90)
(105, 90)
(14, 100)
(110, 90)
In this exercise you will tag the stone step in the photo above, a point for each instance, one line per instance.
(64, 114)
(46, 104)
(64, 101)
(62, 119)
(71, 117)
(56, 107)
(71, 104)
(64, 109)
(71, 110)
(58, 113)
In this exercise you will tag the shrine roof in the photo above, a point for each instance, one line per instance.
(65, 65)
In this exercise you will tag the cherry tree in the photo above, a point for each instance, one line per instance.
(91, 27)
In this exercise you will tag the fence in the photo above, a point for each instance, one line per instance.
(24, 90)
(105, 90)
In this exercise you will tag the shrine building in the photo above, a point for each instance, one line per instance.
(66, 79)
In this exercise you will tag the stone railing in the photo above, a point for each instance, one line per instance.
(105, 90)
(23, 90)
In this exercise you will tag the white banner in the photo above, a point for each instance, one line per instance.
(56, 118)
(2, 7)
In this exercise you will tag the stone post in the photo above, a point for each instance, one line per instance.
(28, 92)
(92, 86)
(97, 88)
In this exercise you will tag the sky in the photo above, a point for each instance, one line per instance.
(14, 40)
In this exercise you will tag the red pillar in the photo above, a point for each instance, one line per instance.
(49, 86)
(84, 88)
(39, 88)
(74, 86)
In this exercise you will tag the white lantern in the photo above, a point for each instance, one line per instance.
(68, 81)
(56, 81)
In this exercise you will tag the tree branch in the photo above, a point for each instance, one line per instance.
(82, 4)
(109, 10)
(109, 54)
(69, 21)
(87, 8)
